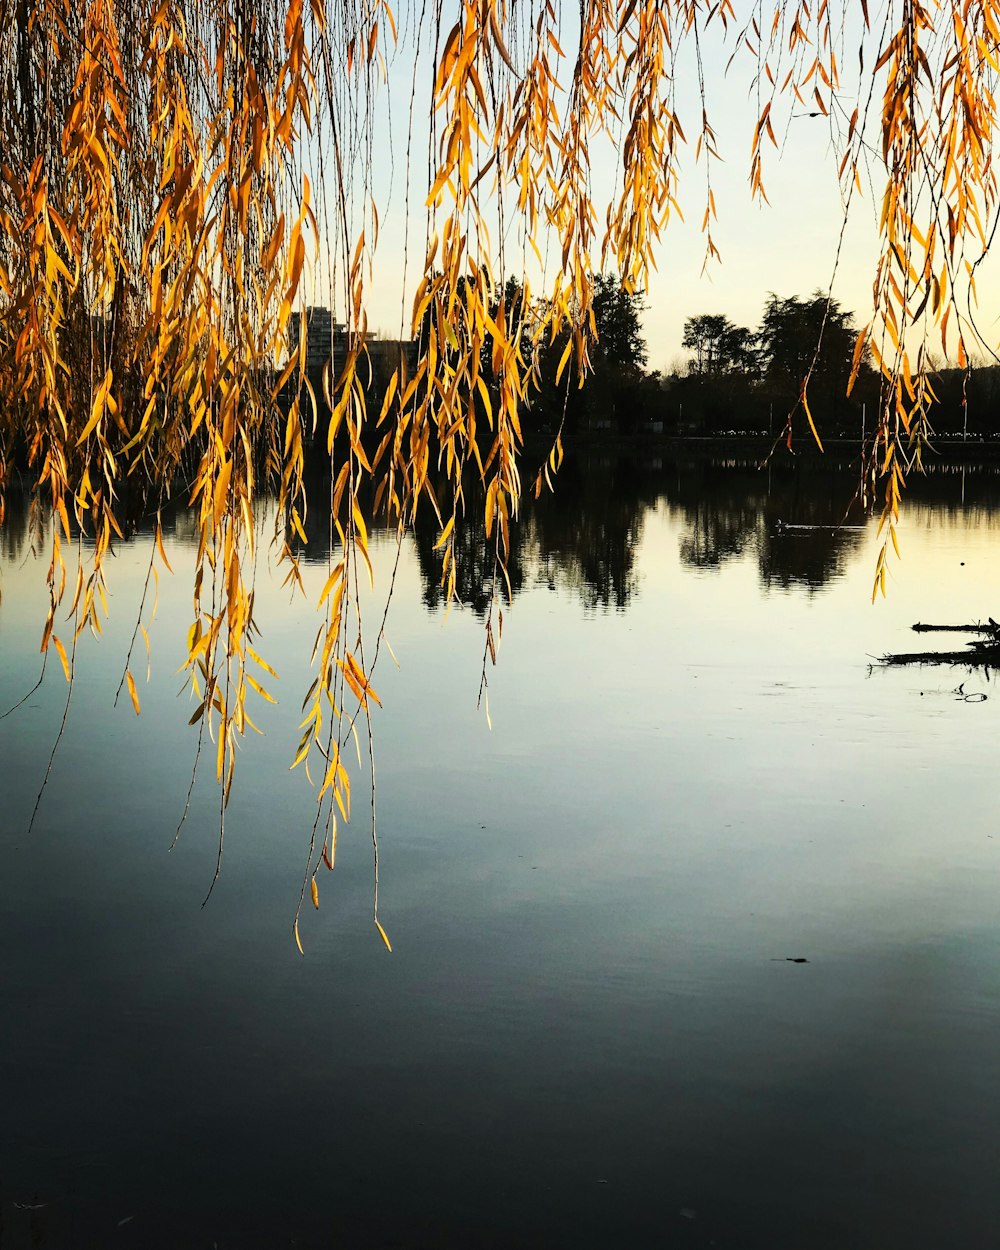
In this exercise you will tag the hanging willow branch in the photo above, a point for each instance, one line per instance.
(178, 178)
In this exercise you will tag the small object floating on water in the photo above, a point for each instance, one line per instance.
(789, 959)
(783, 527)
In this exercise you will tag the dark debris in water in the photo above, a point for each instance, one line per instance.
(981, 652)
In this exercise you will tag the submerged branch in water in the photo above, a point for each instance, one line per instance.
(989, 628)
(978, 653)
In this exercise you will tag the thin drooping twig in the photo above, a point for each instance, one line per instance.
(21, 702)
(327, 750)
(190, 789)
(225, 780)
(371, 744)
(222, 828)
(62, 730)
(138, 623)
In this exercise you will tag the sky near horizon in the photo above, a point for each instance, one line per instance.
(793, 245)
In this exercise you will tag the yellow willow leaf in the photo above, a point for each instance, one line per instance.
(564, 360)
(298, 940)
(358, 249)
(448, 57)
(159, 547)
(262, 662)
(330, 856)
(132, 694)
(273, 244)
(362, 547)
(303, 751)
(441, 181)
(97, 409)
(330, 583)
(55, 262)
(491, 505)
(384, 935)
(859, 351)
(390, 394)
(314, 889)
(260, 689)
(61, 651)
(809, 418)
(498, 40)
(357, 680)
(485, 395)
(222, 490)
(445, 533)
(63, 517)
(360, 527)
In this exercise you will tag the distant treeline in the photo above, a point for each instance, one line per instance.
(742, 380)
(748, 379)
(736, 379)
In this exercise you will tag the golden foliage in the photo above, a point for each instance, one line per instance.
(158, 229)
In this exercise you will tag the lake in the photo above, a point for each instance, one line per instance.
(590, 1032)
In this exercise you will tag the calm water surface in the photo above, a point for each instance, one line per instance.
(589, 1034)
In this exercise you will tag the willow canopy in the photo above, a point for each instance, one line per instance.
(180, 178)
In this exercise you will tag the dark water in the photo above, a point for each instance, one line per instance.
(589, 1034)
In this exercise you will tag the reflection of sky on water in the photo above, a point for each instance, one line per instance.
(588, 1026)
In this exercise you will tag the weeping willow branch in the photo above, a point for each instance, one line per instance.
(180, 181)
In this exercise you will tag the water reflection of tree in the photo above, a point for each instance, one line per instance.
(475, 567)
(15, 533)
(808, 558)
(27, 520)
(583, 538)
(811, 557)
(587, 533)
(714, 536)
(722, 506)
(731, 509)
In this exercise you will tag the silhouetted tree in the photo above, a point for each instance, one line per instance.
(796, 332)
(615, 392)
(719, 346)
